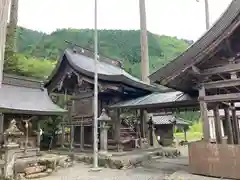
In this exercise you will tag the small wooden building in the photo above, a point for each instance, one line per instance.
(74, 75)
(26, 101)
(164, 128)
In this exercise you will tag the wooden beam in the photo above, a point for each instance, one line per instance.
(228, 105)
(196, 70)
(223, 97)
(83, 95)
(222, 83)
(223, 69)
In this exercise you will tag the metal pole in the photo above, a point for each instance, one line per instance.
(207, 14)
(207, 21)
(95, 127)
(4, 10)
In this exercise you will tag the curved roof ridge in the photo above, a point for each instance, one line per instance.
(106, 71)
(203, 42)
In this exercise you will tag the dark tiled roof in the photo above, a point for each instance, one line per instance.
(154, 99)
(25, 96)
(199, 50)
(168, 119)
(108, 72)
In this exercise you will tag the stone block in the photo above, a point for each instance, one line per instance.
(34, 169)
(37, 175)
(21, 164)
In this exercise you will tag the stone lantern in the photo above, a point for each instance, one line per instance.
(104, 120)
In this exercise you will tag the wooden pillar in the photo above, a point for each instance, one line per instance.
(218, 129)
(26, 137)
(228, 124)
(117, 128)
(71, 122)
(185, 134)
(4, 6)
(72, 137)
(151, 130)
(1, 127)
(82, 136)
(204, 114)
(38, 135)
(63, 136)
(142, 124)
(235, 126)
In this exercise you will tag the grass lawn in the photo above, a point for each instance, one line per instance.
(191, 136)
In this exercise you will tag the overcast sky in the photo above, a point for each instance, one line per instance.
(181, 18)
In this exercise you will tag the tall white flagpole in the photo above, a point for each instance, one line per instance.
(95, 127)
(207, 17)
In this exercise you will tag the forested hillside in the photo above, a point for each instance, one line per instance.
(38, 52)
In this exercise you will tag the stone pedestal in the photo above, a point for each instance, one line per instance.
(103, 137)
(104, 119)
(10, 153)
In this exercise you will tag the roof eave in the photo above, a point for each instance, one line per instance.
(32, 112)
(220, 26)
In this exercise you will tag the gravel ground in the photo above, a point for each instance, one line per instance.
(82, 172)
(157, 169)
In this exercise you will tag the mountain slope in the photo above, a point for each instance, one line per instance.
(118, 44)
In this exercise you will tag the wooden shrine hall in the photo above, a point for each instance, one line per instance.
(74, 76)
(210, 69)
(24, 103)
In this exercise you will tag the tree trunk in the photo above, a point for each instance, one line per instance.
(11, 41)
(4, 8)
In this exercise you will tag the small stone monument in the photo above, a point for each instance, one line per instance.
(104, 120)
(11, 134)
(11, 146)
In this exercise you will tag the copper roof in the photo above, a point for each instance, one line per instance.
(156, 100)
